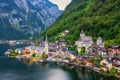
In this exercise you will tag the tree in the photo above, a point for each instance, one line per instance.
(33, 55)
(83, 51)
(74, 48)
(112, 71)
(44, 55)
(13, 53)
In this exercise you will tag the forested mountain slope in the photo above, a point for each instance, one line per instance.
(95, 17)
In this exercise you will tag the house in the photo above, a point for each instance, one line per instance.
(88, 63)
(106, 64)
(91, 50)
(99, 42)
(91, 55)
(12, 42)
(78, 60)
(52, 46)
(61, 44)
(84, 41)
(114, 49)
(51, 52)
(116, 59)
(27, 52)
(116, 62)
(64, 33)
(60, 53)
(118, 72)
(102, 52)
(18, 50)
(38, 50)
(96, 69)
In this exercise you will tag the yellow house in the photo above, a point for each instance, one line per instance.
(106, 64)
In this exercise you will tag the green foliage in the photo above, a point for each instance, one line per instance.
(83, 63)
(74, 48)
(92, 59)
(97, 62)
(33, 55)
(44, 55)
(112, 71)
(83, 51)
(68, 58)
(36, 44)
(95, 17)
(13, 53)
(102, 71)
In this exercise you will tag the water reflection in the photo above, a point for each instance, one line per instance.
(57, 74)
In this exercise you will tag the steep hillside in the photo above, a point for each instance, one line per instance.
(25, 17)
(95, 17)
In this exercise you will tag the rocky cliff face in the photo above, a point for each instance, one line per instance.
(25, 17)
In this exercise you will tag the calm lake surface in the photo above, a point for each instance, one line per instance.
(11, 69)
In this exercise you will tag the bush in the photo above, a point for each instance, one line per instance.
(13, 53)
(83, 51)
(112, 71)
(44, 55)
(33, 55)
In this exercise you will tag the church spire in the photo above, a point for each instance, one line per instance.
(46, 38)
(46, 45)
(82, 33)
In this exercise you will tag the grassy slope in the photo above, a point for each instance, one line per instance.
(95, 17)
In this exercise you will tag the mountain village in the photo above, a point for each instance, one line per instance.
(90, 54)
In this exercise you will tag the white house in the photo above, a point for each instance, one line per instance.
(99, 42)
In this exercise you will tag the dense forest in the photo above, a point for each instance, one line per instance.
(95, 17)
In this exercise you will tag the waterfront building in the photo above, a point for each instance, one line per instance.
(38, 50)
(28, 51)
(18, 50)
(106, 64)
(43, 48)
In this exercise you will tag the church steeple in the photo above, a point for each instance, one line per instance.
(46, 38)
(46, 45)
(82, 33)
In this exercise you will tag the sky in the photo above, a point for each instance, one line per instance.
(61, 3)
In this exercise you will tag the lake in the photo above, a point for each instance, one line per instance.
(12, 69)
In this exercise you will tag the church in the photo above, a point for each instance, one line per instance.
(84, 41)
(87, 41)
(42, 49)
